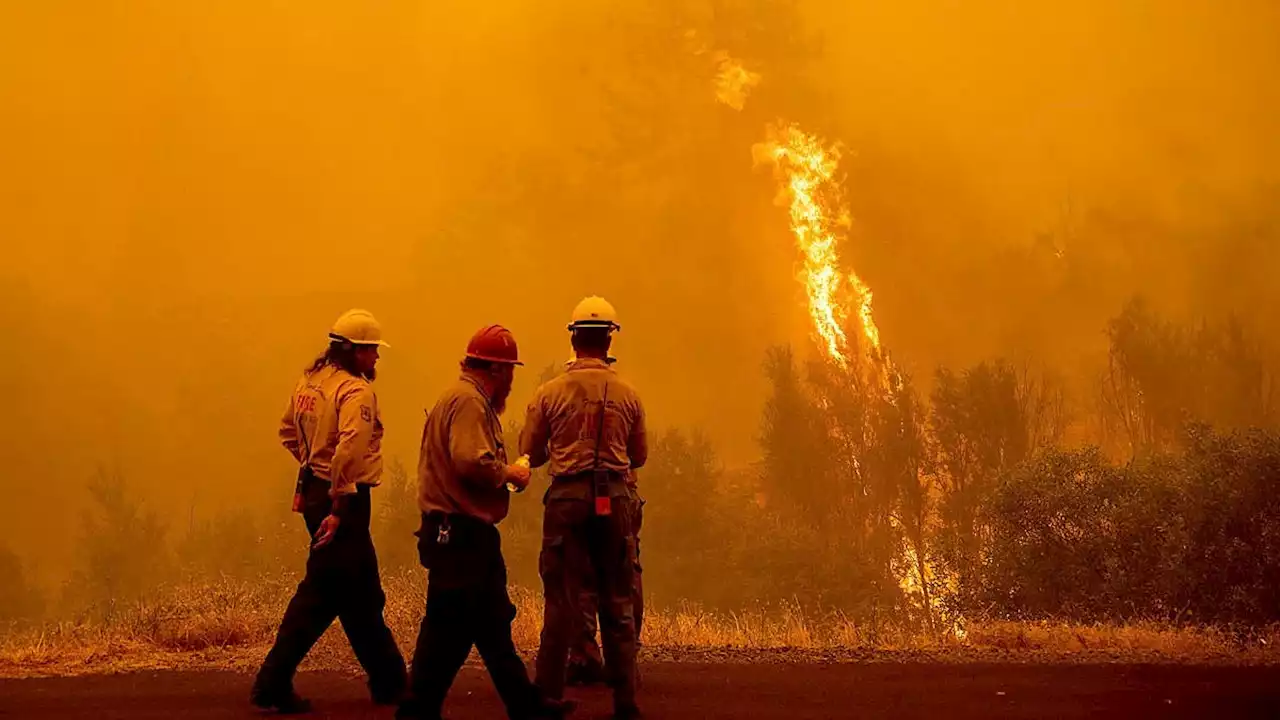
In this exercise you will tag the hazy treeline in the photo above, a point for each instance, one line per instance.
(1168, 509)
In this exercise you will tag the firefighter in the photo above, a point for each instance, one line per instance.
(333, 429)
(463, 475)
(589, 425)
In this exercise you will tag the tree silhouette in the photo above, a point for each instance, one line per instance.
(123, 554)
(20, 599)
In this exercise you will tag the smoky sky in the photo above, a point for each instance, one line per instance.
(191, 192)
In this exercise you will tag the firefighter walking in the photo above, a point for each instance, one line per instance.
(463, 475)
(589, 425)
(333, 428)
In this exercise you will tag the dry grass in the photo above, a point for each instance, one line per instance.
(228, 625)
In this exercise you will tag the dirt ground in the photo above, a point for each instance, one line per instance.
(719, 690)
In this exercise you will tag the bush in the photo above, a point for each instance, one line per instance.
(1231, 568)
(1073, 536)
(1189, 537)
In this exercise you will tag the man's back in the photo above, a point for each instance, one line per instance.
(563, 425)
(333, 424)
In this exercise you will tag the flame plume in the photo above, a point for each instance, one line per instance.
(806, 172)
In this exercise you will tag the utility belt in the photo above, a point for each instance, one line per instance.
(444, 528)
(311, 496)
(597, 486)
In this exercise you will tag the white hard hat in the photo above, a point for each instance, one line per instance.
(357, 327)
(594, 312)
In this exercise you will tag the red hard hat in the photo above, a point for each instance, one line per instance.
(494, 344)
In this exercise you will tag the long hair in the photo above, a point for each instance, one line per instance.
(341, 355)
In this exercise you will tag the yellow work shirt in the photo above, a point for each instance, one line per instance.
(333, 426)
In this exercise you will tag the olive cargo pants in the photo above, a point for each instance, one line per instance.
(584, 652)
(581, 549)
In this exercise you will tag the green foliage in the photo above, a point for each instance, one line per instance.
(1058, 526)
(1187, 537)
(1232, 527)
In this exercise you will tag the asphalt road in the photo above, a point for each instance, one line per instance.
(688, 690)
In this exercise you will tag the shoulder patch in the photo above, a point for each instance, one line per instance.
(366, 413)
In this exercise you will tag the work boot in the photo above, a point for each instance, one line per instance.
(288, 703)
(583, 674)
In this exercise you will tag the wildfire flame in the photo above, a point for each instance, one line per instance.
(806, 169)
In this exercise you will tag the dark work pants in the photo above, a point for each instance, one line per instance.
(580, 549)
(584, 651)
(342, 582)
(467, 604)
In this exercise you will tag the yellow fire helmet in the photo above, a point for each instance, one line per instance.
(357, 327)
(594, 312)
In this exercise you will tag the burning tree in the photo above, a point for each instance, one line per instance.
(854, 437)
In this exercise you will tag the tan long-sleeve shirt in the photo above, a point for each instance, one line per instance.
(563, 422)
(462, 463)
(332, 424)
